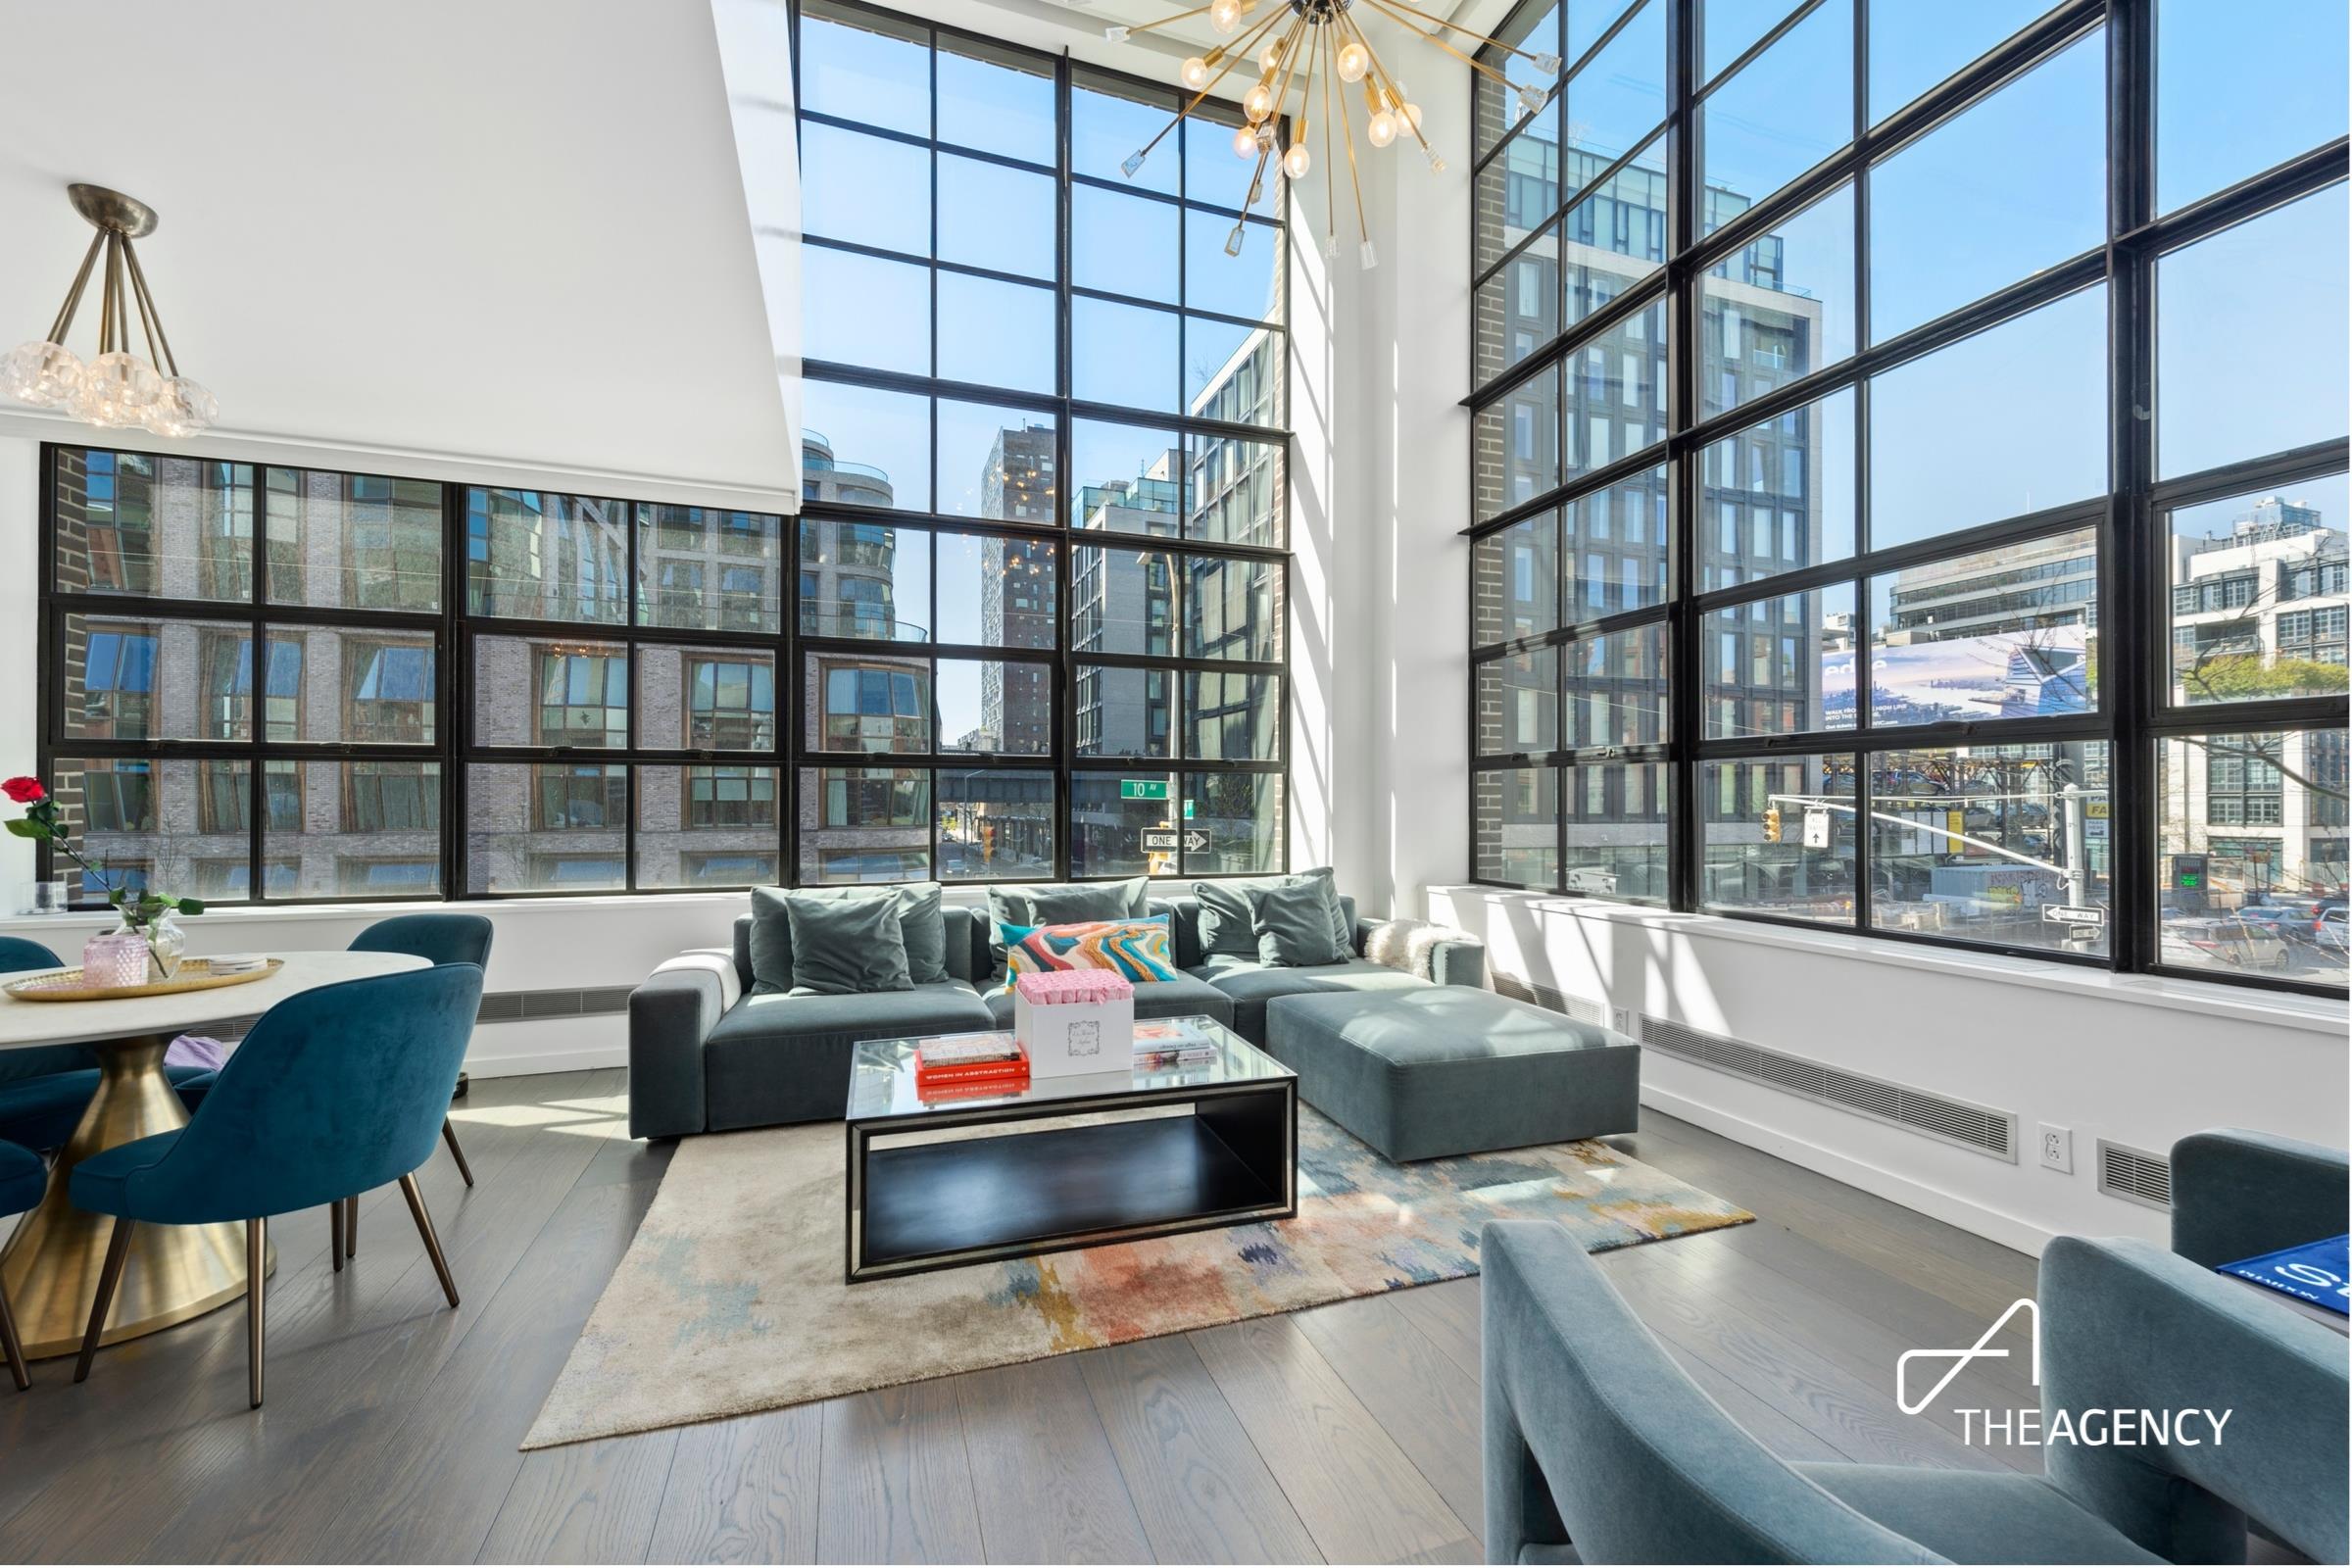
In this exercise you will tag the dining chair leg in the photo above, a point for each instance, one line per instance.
(256, 1260)
(449, 1136)
(351, 1226)
(334, 1233)
(432, 1242)
(11, 1345)
(118, 1252)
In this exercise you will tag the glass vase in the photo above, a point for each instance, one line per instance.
(165, 941)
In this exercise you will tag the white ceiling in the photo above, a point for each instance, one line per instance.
(509, 229)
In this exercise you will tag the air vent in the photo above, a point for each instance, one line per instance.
(1939, 1116)
(1584, 1009)
(2135, 1175)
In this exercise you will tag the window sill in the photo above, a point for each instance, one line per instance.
(2237, 1003)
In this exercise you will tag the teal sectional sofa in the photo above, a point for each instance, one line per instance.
(706, 1053)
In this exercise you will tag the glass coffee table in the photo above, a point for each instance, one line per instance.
(942, 1182)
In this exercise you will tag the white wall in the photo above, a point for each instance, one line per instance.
(2132, 1060)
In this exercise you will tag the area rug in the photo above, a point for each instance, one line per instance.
(730, 1300)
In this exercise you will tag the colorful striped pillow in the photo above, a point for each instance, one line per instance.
(1136, 949)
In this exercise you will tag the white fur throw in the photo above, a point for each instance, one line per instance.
(1411, 945)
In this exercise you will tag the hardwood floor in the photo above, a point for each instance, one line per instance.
(1348, 1432)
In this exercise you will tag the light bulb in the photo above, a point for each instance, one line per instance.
(1195, 72)
(41, 373)
(1245, 143)
(1225, 16)
(116, 391)
(1353, 61)
(1548, 64)
(182, 408)
(1269, 57)
(1531, 101)
(1115, 34)
(1380, 128)
(1258, 103)
(1412, 112)
(1295, 163)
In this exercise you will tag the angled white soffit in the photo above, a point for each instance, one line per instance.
(509, 234)
(755, 54)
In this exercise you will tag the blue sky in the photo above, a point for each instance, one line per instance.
(2012, 185)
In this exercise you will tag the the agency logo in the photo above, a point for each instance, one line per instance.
(2026, 1308)
(2095, 1428)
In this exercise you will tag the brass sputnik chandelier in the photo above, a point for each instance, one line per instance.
(1301, 44)
(119, 388)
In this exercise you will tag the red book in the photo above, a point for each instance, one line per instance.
(970, 1088)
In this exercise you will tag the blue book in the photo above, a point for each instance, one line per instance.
(2318, 1272)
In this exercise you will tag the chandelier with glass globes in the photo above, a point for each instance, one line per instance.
(119, 388)
(1298, 47)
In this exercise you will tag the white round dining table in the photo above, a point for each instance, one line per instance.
(175, 1272)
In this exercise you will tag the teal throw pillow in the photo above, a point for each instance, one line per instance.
(844, 947)
(1296, 926)
(1229, 925)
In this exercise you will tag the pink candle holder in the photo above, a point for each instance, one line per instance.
(113, 959)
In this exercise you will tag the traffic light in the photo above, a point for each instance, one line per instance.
(2188, 873)
(1772, 824)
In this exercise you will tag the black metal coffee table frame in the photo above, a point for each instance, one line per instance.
(915, 1207)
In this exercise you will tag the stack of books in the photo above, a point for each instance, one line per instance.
(1171, 1045)
(969, 1064)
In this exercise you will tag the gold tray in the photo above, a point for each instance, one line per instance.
(195, 974)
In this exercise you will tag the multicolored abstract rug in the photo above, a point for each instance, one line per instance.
(730, 1300)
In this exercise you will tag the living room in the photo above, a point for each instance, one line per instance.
(1020, 780)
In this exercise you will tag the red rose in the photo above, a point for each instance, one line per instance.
(25, 791)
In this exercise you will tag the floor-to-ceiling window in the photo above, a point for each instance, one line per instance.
(1030, 622)
(1042, 563)
(1908, 485)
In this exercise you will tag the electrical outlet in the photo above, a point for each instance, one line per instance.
(2058, 1147)
(1621, 1019)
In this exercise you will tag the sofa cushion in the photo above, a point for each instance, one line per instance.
(1064, 903)
(1184, 997)
(765, 948)
(844, 947)
(1227, 925)
(1251, 985)
(1437, 1070)
(778, 1058)
(1299, 926)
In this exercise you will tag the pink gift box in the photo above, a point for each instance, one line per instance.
(1074, 1021)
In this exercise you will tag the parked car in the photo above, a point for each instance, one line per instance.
(2289, 922)
(2331, 932)
(2233, 943)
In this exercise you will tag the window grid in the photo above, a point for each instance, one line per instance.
(407, 756)
(2128, 717)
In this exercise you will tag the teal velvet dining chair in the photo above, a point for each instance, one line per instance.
(23, 1181)
(437, 939)
(46, 1088)
(333, 1091)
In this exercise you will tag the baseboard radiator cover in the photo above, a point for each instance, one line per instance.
(2135, 1175)
(1584, 1009)
(1980, 1129)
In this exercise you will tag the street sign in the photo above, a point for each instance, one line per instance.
(1188, 810)
(1196, 841)
(1817, 827)
(2072, 914)
(1143, 789)
(1160, 838)
(2096, 811)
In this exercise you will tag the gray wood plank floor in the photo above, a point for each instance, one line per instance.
(1349, 1433)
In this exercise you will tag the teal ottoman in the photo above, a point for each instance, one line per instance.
(1449, 1070)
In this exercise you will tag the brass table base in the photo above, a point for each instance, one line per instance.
(175, 1272)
